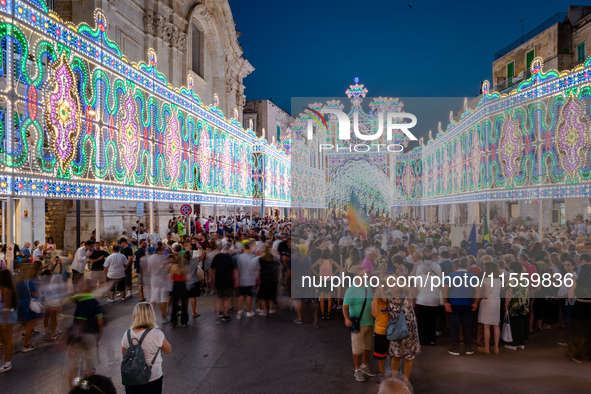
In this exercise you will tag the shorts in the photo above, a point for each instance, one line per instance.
(140, 279)
(381, 344)
(128, 277)
(195, 290)
(84, 349)
(325, 290)
(11, 318)
(76, 276)
(225, 293)
(245, 291)
(117, 284)
(361, 340)
(159, 294)
(98, 276)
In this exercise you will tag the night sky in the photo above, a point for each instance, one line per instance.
(314, 48)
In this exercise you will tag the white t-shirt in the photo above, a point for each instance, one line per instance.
(425, 295)
(158, 273)
(152, 342)
(116, 266)
(248, 266)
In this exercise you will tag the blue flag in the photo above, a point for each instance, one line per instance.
(471, 247)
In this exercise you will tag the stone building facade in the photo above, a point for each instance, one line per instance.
(267, 116)
(191, 38)
(562, 43)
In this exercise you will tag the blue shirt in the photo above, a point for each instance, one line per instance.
(463, 294)
(445, 266)
(25, 251)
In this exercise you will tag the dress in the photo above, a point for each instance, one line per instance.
(489, 311)
(409, 347)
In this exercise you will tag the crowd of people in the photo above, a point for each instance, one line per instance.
(246, 262)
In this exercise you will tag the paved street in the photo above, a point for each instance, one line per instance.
(264, 355)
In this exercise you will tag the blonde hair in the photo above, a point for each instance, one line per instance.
(143, 316)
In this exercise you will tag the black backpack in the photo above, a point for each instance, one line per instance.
(134, 369)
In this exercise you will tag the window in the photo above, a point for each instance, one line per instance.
(581, 52)
(278, 133)
(196, 51)
(529, 58)
(566, 51)
(510, 72)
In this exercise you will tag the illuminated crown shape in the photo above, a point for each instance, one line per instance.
(356, 92)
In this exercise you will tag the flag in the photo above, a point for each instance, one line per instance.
(486, 232)
(471, 247)
(357, 219)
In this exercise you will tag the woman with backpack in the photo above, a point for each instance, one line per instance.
(141, 371)
(400, 304)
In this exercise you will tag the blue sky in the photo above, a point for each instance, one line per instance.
(314, 48)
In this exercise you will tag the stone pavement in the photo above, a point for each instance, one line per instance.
(272, 354)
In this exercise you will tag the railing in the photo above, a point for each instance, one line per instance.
(559, 17)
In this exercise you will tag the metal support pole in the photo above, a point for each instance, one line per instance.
(97, 219)
(151, 217)
(77, 225)
(10, 228)
(540, 213)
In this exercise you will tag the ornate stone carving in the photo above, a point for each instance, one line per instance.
(149, 22)
(240, 99)
(202, 9)
(157, 25)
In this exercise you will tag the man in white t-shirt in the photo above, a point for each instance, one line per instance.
(114, 266)
(248, 268)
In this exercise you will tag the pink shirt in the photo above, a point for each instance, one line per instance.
(367, 265)
(531, 269)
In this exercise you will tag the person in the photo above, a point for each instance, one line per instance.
(528, 270)
(52, 288)
(27, 291)
(461, 300)
(488, 313)
(153, 343)
(85, 333)
(140, 253)
(222, 272)
(249, 274)
(428, 301)
(159, 281)
(49, 246)
(406, 349)
(268, 289)
(517, 304)
(569, 299)
(79, 263)
(353, 262)
(126, 251)
(8, 315)
(25, 251)
(193, 282)
(114, 267)
(379, 310)
(371, 254)
(357, 301)
(327, 267)
(96, 260)
(179, 293)
(38, 252)
(579, 343)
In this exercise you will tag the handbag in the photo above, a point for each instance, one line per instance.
(200, 274)
(397, 329)
(356, 326)
(506, 333)
(34, 305)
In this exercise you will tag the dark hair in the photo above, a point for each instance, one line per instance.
(586, 257)
(50, 238)
(98, 384)
(516, 267)
(444, 254)
(325, 254)
(88, 243)
(6, 282)
(116, 248)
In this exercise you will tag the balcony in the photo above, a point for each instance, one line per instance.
(559, 17)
